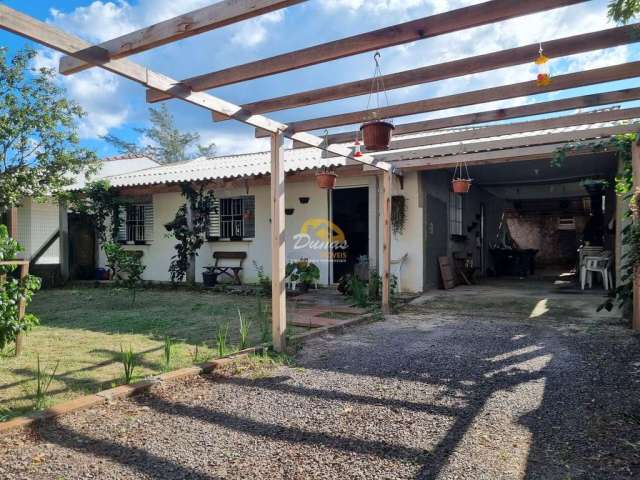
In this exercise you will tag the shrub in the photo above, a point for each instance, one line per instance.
(303, 272)
(126, 267)
(264, 281)
(13, 292)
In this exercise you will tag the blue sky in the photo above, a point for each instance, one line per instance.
(117, 105)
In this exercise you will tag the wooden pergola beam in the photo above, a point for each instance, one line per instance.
(440, 24)
(505, 92)
(553, 106)
(635, 166)
(278, 247)
(57, 39)
(520, 127)
(187, 25)
(482, 63)
(538, 152)
(414, 157)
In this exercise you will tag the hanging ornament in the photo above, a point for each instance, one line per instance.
(358, 149)
(542, 63)
(376, 134)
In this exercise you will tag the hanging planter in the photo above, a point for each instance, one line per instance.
(460, 184)
(377, 135)
(326, 179)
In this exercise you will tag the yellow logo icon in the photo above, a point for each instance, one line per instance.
(323, 230)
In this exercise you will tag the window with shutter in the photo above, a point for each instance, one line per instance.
(136, 222)
(234, 218)
(455, 213)
(122, 223)
(214, 220)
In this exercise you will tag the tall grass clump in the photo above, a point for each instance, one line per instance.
(168, 352)
(222, 337)
(43, 383)
(244, 326)
(129, 362)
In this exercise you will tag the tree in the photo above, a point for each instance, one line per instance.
(39, 144)
(621, 11)
(169, 144)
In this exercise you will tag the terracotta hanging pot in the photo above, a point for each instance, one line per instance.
(377, 135)
(326, 180)
(461, 185)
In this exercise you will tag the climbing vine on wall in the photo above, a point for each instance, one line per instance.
(189, 232)
(100, 201)
(621, 144)
(398, 214)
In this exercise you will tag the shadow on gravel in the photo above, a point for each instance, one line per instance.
(138, 459)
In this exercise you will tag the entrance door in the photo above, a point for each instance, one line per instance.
(350, 214)
(436, 240)
(82, 247)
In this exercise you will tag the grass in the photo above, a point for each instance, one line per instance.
(83, 329)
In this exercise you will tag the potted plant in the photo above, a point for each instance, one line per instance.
(304, 273)
(326, 179)
(377, 135)
(594, 186)
(460, 184)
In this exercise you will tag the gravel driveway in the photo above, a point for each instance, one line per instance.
(420, 395)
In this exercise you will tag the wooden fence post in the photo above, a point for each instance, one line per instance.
(635, 165)
(278, 251)
(24, 273)
(386, 242)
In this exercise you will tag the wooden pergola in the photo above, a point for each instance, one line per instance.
(405, 154)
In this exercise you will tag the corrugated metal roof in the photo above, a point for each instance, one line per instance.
(253, 164)
(232, 166)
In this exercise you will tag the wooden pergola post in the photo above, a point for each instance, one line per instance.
(278, 251)
(635, 165)
(386, 242)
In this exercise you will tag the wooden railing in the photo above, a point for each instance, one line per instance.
(24, 273)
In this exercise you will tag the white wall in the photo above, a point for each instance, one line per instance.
(157, 255)
(36, 223)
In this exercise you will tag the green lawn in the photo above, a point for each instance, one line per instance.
(84, 328)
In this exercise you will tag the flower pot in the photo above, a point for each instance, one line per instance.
(461, 185)
(376, 135)
(326, 180)
(209, 279)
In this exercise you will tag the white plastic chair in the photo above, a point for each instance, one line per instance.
(396, 269)
(591, 265)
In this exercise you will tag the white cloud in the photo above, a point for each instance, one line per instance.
(96, 90)
(230, 143)
(253, 32)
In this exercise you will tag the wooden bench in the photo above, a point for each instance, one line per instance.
(232, 271)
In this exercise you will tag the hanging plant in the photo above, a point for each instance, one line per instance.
(376, 134)
(460, 184)
(326, 179)
(398, 214)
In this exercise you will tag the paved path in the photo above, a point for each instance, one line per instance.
(421, 395)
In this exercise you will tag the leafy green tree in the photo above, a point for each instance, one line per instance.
(39, 144)
(622, 11)
(168, 145)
